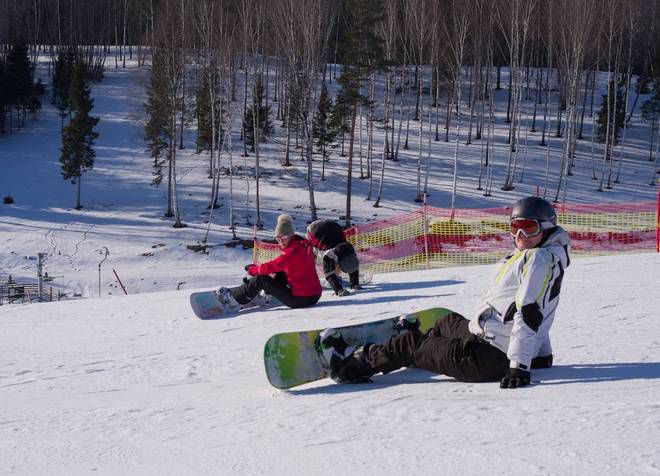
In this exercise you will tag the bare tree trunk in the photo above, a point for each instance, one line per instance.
(628, 77)
(287, 160)
(584, 105)
(124, 35)
(349, 175)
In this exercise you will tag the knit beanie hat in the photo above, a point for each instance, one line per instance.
(284, 226)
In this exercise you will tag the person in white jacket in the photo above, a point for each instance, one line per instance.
(509, 333)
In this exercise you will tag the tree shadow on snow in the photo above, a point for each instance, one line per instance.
(384, 299)
(380, 287)
(606, 372)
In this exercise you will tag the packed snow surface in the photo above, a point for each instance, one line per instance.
(138, 385)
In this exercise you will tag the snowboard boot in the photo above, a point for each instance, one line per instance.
(347, 364)
(227, 299)
(259, 300)
(406, 323)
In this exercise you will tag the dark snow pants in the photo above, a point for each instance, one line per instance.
(448, 348)
(277, 287)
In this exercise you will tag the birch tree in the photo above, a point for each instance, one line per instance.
(304, 28)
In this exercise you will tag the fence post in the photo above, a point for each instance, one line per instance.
(426, 232)
(40, 281)
(657, 222)
(254, 244)
(107, 252)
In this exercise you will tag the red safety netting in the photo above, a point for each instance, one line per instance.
(437, 237)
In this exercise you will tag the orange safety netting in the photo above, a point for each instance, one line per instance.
(440, 237)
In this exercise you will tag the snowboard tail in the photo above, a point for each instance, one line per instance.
(206, 305)
(292, 359)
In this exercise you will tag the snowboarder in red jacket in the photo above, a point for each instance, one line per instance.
(290, 278)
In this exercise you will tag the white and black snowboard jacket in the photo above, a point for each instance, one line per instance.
(518, 310)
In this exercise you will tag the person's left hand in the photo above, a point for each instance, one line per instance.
(515, 378)
(251, 269)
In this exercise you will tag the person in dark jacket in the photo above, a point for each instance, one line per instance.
(290, 278)
(328, 237)
(509, 333)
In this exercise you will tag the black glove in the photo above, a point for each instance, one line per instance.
(542, 362)
(515, 378)
(247, 266)
(342, 292)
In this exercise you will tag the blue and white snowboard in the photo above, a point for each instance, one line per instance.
(206, 305)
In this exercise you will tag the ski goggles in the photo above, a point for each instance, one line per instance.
(527, 226)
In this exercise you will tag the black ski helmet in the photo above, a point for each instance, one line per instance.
(534, 208)
(346, 258)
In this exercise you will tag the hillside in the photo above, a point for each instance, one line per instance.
(124, 213)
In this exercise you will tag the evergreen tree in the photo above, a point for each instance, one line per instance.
(601, 120)
(19, 74)
(4, 97)
(78, 137)
(363, 53)
(322, 130)
(651, 113)
(262, 113)
(203, 112)
(34, 103)
(157, 132)
(339, 119)
(62, 81)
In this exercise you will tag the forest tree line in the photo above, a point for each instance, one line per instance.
(218, 63)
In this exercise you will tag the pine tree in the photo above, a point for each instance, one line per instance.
(363, 54)
(322, 129)
(262, 113)
(601, 120)
(78, 137)
(203, 113)
(651, 113)
(339, 119)
(62, 81)
(157, 130)
(19, 73)
(4, 97)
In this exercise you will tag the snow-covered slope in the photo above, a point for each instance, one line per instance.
(124, 213)
(137, 385)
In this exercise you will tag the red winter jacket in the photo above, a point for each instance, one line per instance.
(297, 262)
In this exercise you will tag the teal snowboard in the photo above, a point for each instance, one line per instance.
(292, 359)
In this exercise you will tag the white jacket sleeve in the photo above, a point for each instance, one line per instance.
(536, 275)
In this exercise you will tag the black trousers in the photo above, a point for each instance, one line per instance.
(277, 287)
(448, 348)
